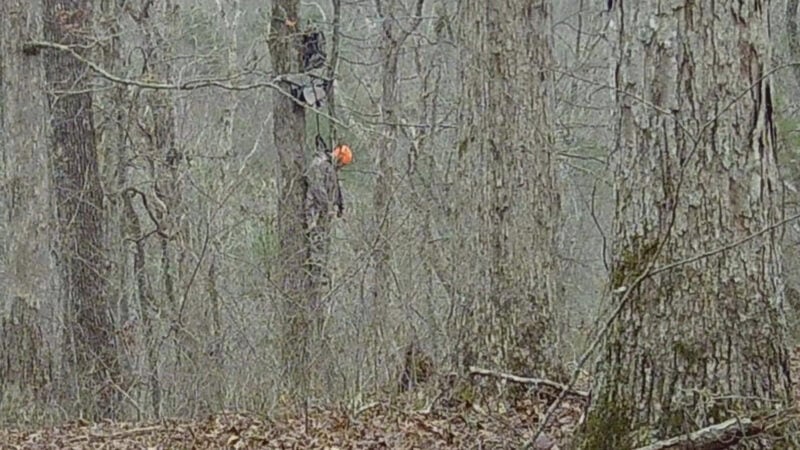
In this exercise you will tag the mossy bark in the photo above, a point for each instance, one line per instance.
(695, 170)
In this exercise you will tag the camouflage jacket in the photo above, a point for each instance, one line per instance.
(323, 193)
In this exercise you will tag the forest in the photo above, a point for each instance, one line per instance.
(399, 224)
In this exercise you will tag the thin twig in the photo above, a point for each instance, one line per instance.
(185, 86)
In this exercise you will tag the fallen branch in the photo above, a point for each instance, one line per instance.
(365, 408)
(716, 437)
(724, 434)
(477, 371)
(126, 433)
(134, 432)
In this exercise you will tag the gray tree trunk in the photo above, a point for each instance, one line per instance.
(164, 200)
(695, 169)
(92, 367)
(508, 140)
(112, 109)
(394, 32)
(289, 128)
(26, 268)
(794, 40)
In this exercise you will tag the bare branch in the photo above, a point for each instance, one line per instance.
(417, 20)
(32, 46)
(185, 86)
(724, 247)
(724, 434)
(473, 371)
(414, 23)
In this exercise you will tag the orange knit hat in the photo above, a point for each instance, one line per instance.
(343, 155)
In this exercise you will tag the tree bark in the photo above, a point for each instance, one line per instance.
(26, 267)
(695, 169)
(289, 128)
(113, 109)
(92, 362)
(394, 33)
(508, 130)
(794, 40)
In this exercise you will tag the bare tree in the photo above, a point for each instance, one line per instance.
(289, 128)
(26, 267)
(398, 21)
(92, 366)
(162, 199)
(112, 103)
(507, 142)
(696, 276)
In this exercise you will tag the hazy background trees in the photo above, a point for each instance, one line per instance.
(200, 156)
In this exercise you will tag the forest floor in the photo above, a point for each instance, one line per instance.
(441, 424)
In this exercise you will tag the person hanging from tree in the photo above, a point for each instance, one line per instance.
(323, 201)
(324, 196)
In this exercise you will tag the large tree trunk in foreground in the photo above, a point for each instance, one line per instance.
(695, 170)
(508, 128)
(91, 355)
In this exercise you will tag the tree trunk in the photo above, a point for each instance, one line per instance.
(113, 109)
(385, 151)
(508, 128)
(166, 165)
(790, 18)
(213, 326)
(92, 362)
(26, 268)
(695, 170)
(289, 128)
(394, 33)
